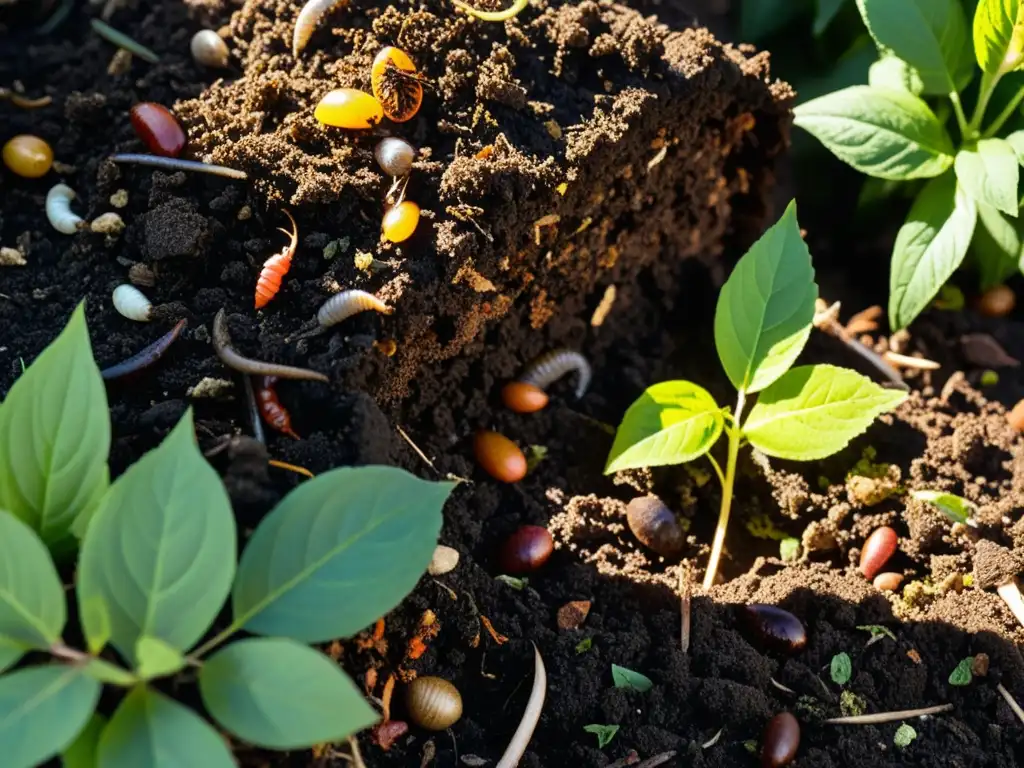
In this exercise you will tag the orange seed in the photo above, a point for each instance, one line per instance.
(520, 397)
(1016, 416)
(997, 301)
(400, 221)
(396, 85)
(28, 156)
(499, 457)
(349, 108)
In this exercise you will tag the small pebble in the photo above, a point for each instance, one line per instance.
(141, 274)
(11, 257)
(107, 224)
(211, 388)
(444, 560)
(888, 582)
(119, 199)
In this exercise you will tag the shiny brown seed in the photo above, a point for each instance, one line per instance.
(776, 628)
(433, 703)
(878, 548)
(520, 397)
(888, 582)
(998, 301)
(1016, 416)
(526, 550)
(780, 742)
(499, 457)
(655, 525)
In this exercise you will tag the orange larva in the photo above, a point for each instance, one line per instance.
(28, 156)
(275, 414)
(400, 221)
(520, 397)
(396, 85)
(499, 457)
(276, 267)
(349, 108)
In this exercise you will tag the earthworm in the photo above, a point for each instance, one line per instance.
(308, 18)
(132, 303)
(231, 358)
(58, 210)
(274, 414)
(551, 366)
(276, 267)
(342, 306)
(177, 164)
(146, 357)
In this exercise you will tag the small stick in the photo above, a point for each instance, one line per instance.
(254, 410)
(825, 321)
(1010, 593)
(889, 717)
(653, 762)
(1011, 701)
(23, 102)
(357, 757)
(177, 164)
(121, 40)
(905, 361)
(416, 448)
(684, 609)
(713, 740)
(631, 759)
(781, 687)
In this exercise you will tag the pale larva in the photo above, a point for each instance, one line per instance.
(58, 210)
(132, 303)
(551, 366)
(342, 306)
(307, 20)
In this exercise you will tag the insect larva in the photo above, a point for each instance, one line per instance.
(276, 267)
(273, 413)
(231, 358)
(146, 357)
(342, 306)
(307, 20)
(551, 366)
(132, 303)
(58, 210)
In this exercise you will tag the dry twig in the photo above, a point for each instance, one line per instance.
(1011, 701)
(889, 717)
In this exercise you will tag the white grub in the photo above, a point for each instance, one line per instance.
(307, 21)
(444, 560)
(11, 257)
(343, 305)
(395, 156)
(108, 224)
(209, 49)
(132, 303)
(58, 210)
(551, 366)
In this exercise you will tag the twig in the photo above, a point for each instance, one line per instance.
(684, 609)
(23, 102)
(177, 164)
(630, 759)
(416, 448)
(713, 740)
(889, 717)
(290, 467)
(905, 361)
(1011, 701)
(781, 687)
(825, 321)
(357, 757)
(1011, 596)
(121, 40)
(652, 762)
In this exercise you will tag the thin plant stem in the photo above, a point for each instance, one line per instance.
(735, 435)
(718, 468)
(1011, 702)
(67, 653)
(213, 642)
(1005, 115)
(958, 109)
(121, 40)
(988, 86)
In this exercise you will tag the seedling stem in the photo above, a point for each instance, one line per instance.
(735, 435)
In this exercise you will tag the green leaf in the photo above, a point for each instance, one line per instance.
(96, 617)
(764, 312)
(160, 552)
(280, 694)
(930, 246)
(962, 674)
(670, 423)
(988, 173)
(155, 658)
(956, 508)
(841, 668)
(1016, 141)
(82, 751)
(930, 35)
(998, 35)
(789, 549)
(877, 630)
(892, 72)
(604, 733)
(825, 11)
(338, 552)
(42, 709)
(148, 729)
(584, 645)
(32, 607)
(517, 584)
(904, 735)
(55, 437)
(627, 678)
(762, 18)
(813, 411)
(105, 672)
(997, 246)
(883, 132)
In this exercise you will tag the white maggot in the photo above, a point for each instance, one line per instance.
(58, 210)
(342, 306)
(132, 303)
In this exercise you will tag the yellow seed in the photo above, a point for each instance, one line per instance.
(349, 108)
(400, 222)
(28, 156)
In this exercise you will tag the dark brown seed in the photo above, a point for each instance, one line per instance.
(655, 525)
(878, 548)
(526, 550)
(778, 629)
(979, 667)
(780, 741)
(888, 582)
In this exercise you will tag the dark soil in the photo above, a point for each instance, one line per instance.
(478, 292)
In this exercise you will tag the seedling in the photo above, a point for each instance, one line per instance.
(604, 733)
(962, 674)
(889, 130)
(584, 645)
(956, 508)
(841, 668)
(762, 322)
(627, 678)
(878, 632)
(904, 735)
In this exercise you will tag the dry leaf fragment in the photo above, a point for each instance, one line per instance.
(573, 614)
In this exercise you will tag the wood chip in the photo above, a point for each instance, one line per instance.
(573, 614)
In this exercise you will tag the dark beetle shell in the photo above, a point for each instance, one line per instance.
(655, 525)
(526, 550)
(780, 741)
(777, 629)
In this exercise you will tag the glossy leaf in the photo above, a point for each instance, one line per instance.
(998, 35)
(148, 729)
(825, 11)
(160, 552)
(32, 607)
(670, 423)
(813, 411)
(42, 709)
(894, 73)
(930, 35)
(764, 312)
(55, 437)
(627, 678)
(956, 508)
(337, 553)
(82, 751)
(904, 735)
(997, 246)
(883, 132)
(930, 246)
(155, 658)
(96, 617)
(962, 674)
(841, 668)
(988, 172)
(280, 694)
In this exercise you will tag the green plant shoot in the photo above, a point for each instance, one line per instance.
(890, 129)
(762, 322)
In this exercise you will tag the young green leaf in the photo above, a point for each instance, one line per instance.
(55, 433)
(42, 709)
(813, 411)
(670, 423)
(988, 172)
(904, 735)
(956, 508)
(883, 132)
(604, 733)
(584, 645)
(789, 549)
(32, 607)
(930, 245)
(894, 73)
(841, 668)
(94, 614)
(152, 730)
(825, 11)
(627, 678)
(81, 753)
(280, 694)
(962, 674)
(930, 35)
(160, 552)
(999, 35)
(877, 630)
(997, 246)
(516, 583)
(764, 312)
(353, 537)
(155, 658)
